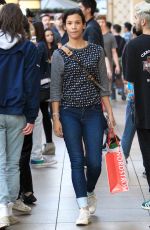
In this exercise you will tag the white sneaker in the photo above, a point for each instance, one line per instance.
(92, 202)
(4, 225)
(8, 220)
(84, 217)
(4, 222)
(4, 213)
(44, 163)
(13, 220)
(21, 207)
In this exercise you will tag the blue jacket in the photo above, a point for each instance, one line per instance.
(43, 60)
(19, 80)
(93, 33)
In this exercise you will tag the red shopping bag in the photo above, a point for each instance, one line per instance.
(116, 171)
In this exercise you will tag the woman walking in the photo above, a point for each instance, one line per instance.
(77, 112)
(49, 148)
(19, 104)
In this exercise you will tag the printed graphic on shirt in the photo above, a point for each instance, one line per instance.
(146, 65)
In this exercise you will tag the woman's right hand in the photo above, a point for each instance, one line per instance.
(57, 128)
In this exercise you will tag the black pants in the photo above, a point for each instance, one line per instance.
(144, 142)
(25, 170)
(47, 124)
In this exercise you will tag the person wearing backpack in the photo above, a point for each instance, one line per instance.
(19, 103)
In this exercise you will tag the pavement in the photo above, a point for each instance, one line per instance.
(56, 208)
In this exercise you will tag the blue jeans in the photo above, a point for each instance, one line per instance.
(11, 141)
(84, 125)
(129, 130)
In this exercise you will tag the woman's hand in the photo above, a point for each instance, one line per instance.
(28, 129)
(57, 127)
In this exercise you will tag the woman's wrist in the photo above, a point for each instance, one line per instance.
(109, 112)
(55, 116)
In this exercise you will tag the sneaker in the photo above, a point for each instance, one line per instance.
(92, 202)
(4, 222)
(13, 220)
(29, 199)
(21, 207)
(84, 217)
(4, 213)
(146, 205)
(44, 163)
(49, 149)
(3, 226)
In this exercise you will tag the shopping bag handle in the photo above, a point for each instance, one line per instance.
(115, 136)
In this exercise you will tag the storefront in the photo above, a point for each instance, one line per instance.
(120, 11)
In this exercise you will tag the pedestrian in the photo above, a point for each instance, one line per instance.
(92, 32)
(19, 103)
(60, 34)
(127, 31)
(49, 147)
(130, 127)
(46, 20)
(118, 78)
(77, 112)
(110, 46)
(37, 159)
(138, 73)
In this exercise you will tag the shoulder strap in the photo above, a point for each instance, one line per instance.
(67, 51)
(90, 77)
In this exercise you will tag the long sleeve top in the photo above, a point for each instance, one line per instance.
(69, 83)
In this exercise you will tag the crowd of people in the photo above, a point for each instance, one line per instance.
(63, 73)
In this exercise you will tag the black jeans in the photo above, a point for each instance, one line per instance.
(25, 170)
(144, 142)
(47, 124)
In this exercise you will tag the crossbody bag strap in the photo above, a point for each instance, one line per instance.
(89, 76)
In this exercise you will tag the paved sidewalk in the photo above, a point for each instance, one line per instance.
(56, 208)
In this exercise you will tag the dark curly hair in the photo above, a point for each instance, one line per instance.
(71, 12)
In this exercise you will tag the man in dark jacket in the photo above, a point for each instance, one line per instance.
(92, 32)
